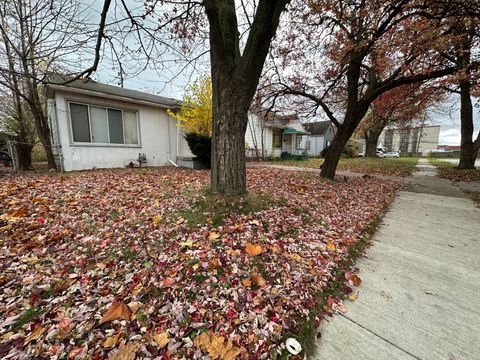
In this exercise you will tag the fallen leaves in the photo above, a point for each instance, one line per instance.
(118, 310)
(253, 249)
(161, 339)
(213, 236)
(127, 351)
(101, 239)
(255, 279)
(35, 335)
(216, 346)
(112, 341)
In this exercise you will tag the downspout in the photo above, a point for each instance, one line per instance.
(59, 147)
(169, 152)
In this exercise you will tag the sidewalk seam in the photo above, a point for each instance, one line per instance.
(380, 337)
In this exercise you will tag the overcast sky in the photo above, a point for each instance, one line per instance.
(446, 115)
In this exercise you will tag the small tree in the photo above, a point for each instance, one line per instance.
(195, 115)
(195, 118)
(402, 107)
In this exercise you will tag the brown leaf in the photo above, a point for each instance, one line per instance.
(112, 341)
(137, 289)
(355, 279)
(161, 339)
(126, 351)
(216, 347)
(253, 249)
(118, 310)
(15, 214)
(258, 280)
(35, 335)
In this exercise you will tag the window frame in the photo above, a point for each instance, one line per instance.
(106, 107)
(280, 137)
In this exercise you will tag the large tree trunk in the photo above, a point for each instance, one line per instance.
(354, 114)
(228, 174)
(468, 151)
(371, 142)
(24, 156)
(234, 81)
(334, 153)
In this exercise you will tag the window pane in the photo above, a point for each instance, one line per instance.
(98, 121)
(80, 127)
(115, 126)
(130, 124)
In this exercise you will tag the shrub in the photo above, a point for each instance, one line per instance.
(201, 147)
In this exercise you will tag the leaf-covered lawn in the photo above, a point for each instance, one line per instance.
(380, 166)
(131, 262)
(448, 171)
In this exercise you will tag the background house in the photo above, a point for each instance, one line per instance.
(269, 135)
(104, 126)
(416, 141)
(321, 135)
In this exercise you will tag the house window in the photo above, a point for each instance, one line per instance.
(277, 139)
(298, 141)
(102, 125)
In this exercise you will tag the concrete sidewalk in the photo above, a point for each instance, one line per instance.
(420, 293)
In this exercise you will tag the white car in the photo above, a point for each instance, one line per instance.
(392, 154)
(379, 154)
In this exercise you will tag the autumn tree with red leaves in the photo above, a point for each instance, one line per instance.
(404, 106)
(340, 56)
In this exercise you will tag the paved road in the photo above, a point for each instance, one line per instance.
(420, 294)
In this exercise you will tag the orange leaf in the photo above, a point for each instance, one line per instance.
(246, 282)
(118, 310)
(15, 214)
(213, 236)
(258, 280)
(168, 282)
(253, 250)
(355, 279)
(331, 246)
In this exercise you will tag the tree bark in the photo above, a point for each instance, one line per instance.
(24, 156)
(228, 175)
(468, 152)
(371, 142)
(234, 81)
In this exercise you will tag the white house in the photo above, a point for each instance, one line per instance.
(274, 136)
(105, 126)
(321, 135)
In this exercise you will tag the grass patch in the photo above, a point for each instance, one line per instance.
(213, 208)
(403, 166)
(448, 170)
(30, 315)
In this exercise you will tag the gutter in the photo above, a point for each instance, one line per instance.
(110, 97)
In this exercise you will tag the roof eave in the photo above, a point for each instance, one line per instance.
(110, 96)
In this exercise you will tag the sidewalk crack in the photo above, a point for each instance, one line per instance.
(381, 337)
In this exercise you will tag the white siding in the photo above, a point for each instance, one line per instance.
(158, 137)
(317, 144)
